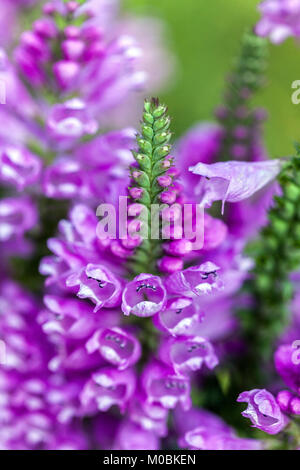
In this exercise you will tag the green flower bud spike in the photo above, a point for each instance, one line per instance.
(153, 148)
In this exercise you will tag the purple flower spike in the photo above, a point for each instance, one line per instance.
(144, 296)
(163, 386)
(197, 280)
(288, 366)
(116, 346)
(19, 167)
(233, 181)
(130, 436)
(108, 387)
(70, 121)
(17, 215)
(181, 317)
(263, 411)
(188, 354)
(98, 284)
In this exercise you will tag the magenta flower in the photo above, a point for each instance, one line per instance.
(188, 354)
(233, 181)
(19, 167)
(144, 296)
(263, 411)
(17, 216)
(98, 284)
(195, 281)
(150, 416)
(280, 19)
(209, 439)
(108, 387)
(181, 317)
(117, 346)
(130, 436)
(288, 366)
(164, 387)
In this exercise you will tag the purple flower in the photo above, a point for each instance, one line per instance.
(188, 354)
(107, 387)
(98, 284)
(163, 386)
(117, 346)
(130, 436)
(263, 411)
(150, 416)
(280, 19)
(208, 439)
(233, 181)
(201, 429)
(181, 317)
(17, 216)
(144, 296)
(288, 366)
(200, 144)
(70, 121)
(195, 281)
(19, 166)
(65, 178)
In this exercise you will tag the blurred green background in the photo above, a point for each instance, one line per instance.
(205, 37)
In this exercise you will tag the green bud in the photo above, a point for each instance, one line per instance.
(143, 160)
(147, 132)
(141, 178)
(144, 145)
(162, 123)
(159, 111)
(291, 191)
(161, 152)
(162, 138)
(148, 118)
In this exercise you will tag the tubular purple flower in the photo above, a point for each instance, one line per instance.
(130, 436)
(150, 416)
(233, 181)
(144, 296)
(65, 178)
(208, 439)
(19, 167)
(287, 368)
(195, 281)
(116, 345)
(17, 216)
(188, 354)
(280, 19)
(98, 284)
(107, 387)
(263, 411)
(181, 317)
(163, 386)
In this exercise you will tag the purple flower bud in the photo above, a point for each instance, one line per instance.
(73, 49)
(263, 411)
(168, 264)
(295, 405)
(108, 387)
(98, 284)
(181, 317)
(168, 197)
(178, 247)
(197, 280)
(240, 132)
(215, 232)
(135, 193)
(279, 19)
(66, 73)
(45, 28)
(283, 399)
(116, 346)
(164, 181)
(288, 368)
(188, 354)
(17, 215)
(35, 45)
(19, 166)
(72, 32)
(130, 436)
(144, 296)
(238, 151)
(164, 387)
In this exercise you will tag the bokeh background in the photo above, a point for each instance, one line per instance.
(205, 36)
